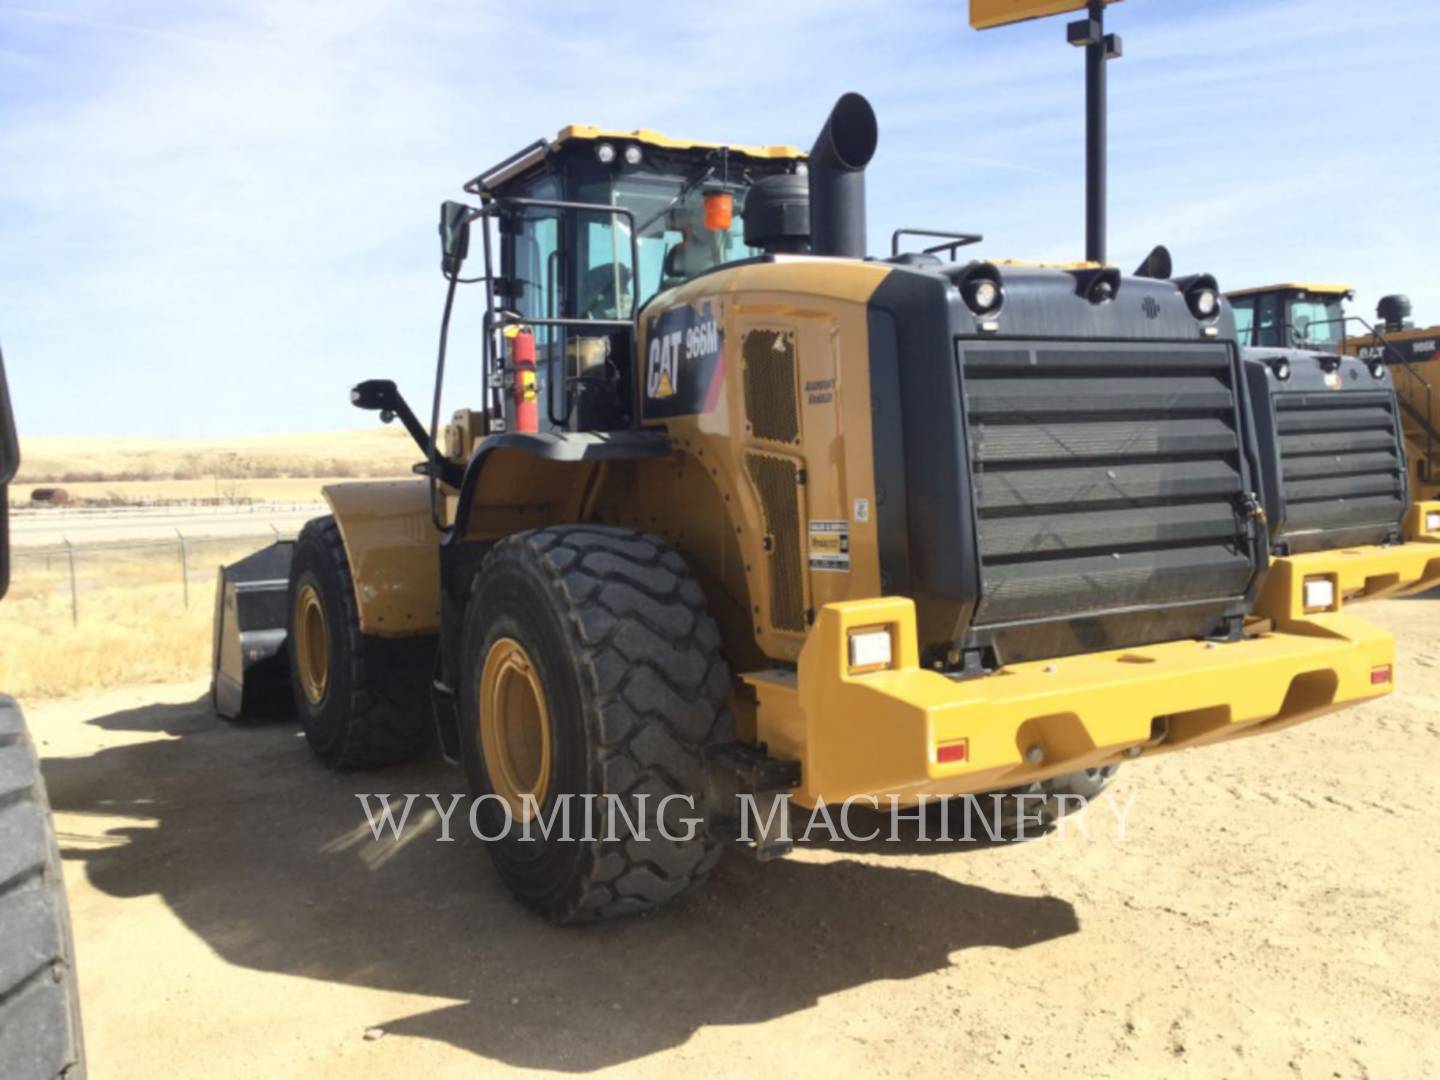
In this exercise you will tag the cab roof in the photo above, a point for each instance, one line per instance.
(646, 137)
(1295, 286)
(538, 150)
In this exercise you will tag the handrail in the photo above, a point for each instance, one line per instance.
(1427, 421)
(956, 240)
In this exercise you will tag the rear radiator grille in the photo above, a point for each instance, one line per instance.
(1340, 463)
(1105, 478)
(771, 399)
(777, 481)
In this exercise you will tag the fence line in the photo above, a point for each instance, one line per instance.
(59, 567)
(27, 509)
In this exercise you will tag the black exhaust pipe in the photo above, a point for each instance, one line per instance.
(837, 178)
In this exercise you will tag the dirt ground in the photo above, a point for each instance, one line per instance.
(1270, 911)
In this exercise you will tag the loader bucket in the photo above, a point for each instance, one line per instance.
(251, 670)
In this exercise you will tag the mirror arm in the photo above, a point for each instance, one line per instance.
(381, 395)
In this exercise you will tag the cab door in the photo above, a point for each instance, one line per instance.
(534, 258)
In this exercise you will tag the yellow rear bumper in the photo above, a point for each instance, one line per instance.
(881, 734)
(1363, 573)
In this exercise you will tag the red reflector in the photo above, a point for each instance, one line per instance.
(949, 752)
(1381, 676)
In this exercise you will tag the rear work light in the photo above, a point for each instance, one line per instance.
(1432, 522)
(871, 650)
(1319, 594)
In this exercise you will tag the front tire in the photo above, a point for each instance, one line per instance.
(363, 701)
(591, 669)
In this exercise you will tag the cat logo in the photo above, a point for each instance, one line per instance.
(664, 357)
(684, 362)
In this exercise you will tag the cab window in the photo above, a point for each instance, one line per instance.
(1317, 321)
(1269, 322)
(537, 255)
(673, 240)
(1244, 309)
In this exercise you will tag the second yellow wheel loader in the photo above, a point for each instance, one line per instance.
(743, 510)
(1342, 477)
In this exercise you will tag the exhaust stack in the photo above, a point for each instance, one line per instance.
(837, 178)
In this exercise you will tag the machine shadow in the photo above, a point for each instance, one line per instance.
(269, 859)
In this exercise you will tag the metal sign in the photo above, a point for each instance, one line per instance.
(987, 13)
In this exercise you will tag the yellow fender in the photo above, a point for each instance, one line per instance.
(394, 553)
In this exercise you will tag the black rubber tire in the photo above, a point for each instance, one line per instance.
(1087, 784)
(636, 688)
(376, 708)
(40, 1034)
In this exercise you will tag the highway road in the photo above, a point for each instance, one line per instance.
(44, 528)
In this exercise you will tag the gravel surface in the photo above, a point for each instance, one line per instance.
(1269, 911)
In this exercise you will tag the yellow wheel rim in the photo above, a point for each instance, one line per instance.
(514, 727)
(312, 644)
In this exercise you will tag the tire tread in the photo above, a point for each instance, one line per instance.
(649, 655)
(40, 1034)
(386, 726)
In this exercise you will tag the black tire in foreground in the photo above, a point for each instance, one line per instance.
(592, 671)
(363, 701)
(40, 1035)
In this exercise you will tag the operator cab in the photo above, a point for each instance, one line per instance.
(591, 225)
(1291, 316)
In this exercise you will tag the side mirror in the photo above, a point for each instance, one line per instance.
(9, 463)
(454, 235)
(374, 395)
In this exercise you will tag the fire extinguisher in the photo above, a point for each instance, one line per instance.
(526, 393)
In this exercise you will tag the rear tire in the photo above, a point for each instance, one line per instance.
(40, 1035)
(1087, 783)
(363, 701)
(1058, 794)
(610, 630)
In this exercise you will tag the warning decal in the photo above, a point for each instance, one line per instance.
(830, 545)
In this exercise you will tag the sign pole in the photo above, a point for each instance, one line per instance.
(1100, 48)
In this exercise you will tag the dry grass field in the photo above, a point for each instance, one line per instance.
(131, 623)
(282, 468)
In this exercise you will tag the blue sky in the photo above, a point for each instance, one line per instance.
(215, 217)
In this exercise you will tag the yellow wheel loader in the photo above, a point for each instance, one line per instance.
(1344, 479)
(741, 510)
